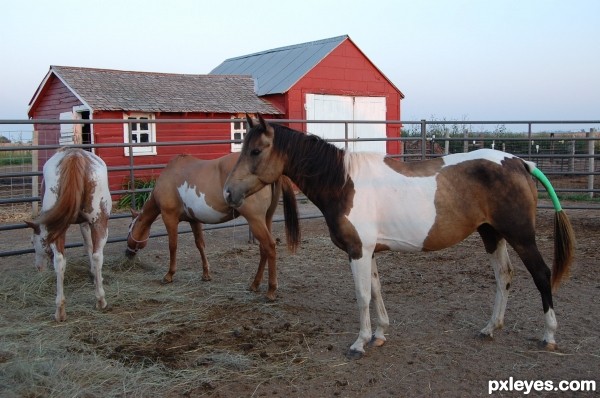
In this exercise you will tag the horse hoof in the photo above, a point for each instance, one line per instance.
(166, 281)
(376, 342)
(485, 336)
(548, 346)
(353, 355)
(59, 317)
(271, 297)
(206, 278)
(101, 304)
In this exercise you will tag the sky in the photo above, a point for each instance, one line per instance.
(453, 60)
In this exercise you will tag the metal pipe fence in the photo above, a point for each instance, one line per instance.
(569, 159)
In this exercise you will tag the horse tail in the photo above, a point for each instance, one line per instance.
(564, 237)
(290, 212)
(72, 171)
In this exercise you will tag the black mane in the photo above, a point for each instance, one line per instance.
(312, 163)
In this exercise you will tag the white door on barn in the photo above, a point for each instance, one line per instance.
(337, 107)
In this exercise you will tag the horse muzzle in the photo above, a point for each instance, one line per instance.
(233, 200)
(130, 253)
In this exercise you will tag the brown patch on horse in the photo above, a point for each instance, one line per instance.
(72, 194)
(426, 168)
(475, 192)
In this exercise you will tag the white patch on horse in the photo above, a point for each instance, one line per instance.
(397, 211)
(196, 207)
(488, 154)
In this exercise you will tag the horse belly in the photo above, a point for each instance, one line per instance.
(400, 218)
(406, 230)
(196, 206)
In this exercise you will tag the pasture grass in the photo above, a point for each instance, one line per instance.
(15, 158)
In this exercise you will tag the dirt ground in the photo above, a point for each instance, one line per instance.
(193, 338)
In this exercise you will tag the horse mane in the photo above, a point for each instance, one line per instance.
(311, 157)
(71, 187)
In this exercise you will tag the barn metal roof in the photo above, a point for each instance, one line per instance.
(105, 89)
(277, 70)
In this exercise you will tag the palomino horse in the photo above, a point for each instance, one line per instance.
(373, 203)
(76, 192)
(191, 190)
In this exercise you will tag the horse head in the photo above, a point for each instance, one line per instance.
(133, 244)
(43, 252)
(259, 164)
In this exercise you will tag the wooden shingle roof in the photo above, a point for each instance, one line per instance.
(105, 89)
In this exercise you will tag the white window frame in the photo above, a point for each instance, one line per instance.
(238, 131)
(138, 134)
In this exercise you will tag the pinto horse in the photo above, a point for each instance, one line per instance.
(372, 203)
(75, 192)
(191, 190)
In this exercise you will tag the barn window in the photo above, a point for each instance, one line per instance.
(141, 132)
(238, 131)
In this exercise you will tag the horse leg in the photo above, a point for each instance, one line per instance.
(58, 249)
(534, 262)
(383, 321)
(98, 236)
(171, 224)
(496, 247)
(199, 239)
(361, 272)
(267, 255)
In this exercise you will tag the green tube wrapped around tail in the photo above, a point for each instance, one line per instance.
(564, 238)
(537, 173)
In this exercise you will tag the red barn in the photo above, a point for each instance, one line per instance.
(96, 94)
(328, 79)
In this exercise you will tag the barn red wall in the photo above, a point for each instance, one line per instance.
(52, 101)
(346, 71)
(165, 132)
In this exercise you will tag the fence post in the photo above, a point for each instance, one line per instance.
(447, 143)
(465, 140)
(529, 141)
(35, 187)
(131, 163)
(572, 160)
(423, 139)
(346, 136)
(591, 167)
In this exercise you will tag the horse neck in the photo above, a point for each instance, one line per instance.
(144, 220)
(314, 165)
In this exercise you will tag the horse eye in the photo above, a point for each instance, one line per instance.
(255, 152)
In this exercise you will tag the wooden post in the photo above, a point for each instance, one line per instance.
(591, 167)
(447, 143)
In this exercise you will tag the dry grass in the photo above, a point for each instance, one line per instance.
(153, 340)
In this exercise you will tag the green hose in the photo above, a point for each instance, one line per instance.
(537, 173)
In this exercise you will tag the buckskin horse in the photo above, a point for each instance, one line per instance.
(75, 192)
(372, 203)
(191, 189)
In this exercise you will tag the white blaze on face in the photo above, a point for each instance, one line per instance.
(196, 206)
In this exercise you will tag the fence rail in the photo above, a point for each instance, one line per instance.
(569, 158)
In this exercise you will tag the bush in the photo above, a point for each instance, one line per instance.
(142, 189)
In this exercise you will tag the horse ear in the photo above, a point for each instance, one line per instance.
(268, 129)
(249, 121)
(34, 226)
(262, 122)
